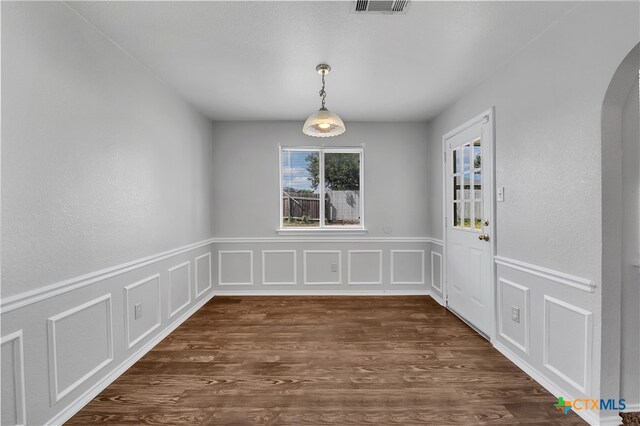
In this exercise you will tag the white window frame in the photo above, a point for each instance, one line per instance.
(322, 228)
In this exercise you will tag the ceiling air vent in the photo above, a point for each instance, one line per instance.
(381, 6)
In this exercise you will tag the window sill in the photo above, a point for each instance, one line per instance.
(324, 231)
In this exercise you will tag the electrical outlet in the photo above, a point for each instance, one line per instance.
(515, 314)
(334, 267)
(137, 310)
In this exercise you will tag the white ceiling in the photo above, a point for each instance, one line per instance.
(256, 60)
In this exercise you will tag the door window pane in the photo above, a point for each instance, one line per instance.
(457, 191)
(477, 214)
(467, 186)
(466, 181)
(477, 154)
(477, 185)
(467, 215)
(466, 157)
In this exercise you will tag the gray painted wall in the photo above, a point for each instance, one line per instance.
(630, 367)
(245, 161)
(101, 166)
(548, 102)
(101, 163)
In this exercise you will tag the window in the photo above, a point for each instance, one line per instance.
(321, 188)
(467, 185)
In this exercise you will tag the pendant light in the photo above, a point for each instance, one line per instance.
(323, 123)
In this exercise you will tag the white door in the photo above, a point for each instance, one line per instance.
(468, 221)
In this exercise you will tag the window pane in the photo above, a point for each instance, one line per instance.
(477, 185)
(467, 215)
(342, 188)
(300, 189)
(467, 161)
(457, 191)
(477, 154)
(467, 186)
(457, 215)
(477, 214)
(456, 160)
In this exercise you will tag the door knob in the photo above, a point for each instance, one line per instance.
(483, 237)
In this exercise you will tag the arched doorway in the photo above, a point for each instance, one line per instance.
(620, 372)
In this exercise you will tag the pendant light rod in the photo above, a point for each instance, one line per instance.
(323, 123)
(323, 94)
(323, 69)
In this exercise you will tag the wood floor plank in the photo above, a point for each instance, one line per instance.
(323, 360)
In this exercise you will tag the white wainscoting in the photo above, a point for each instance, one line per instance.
(322, 267)
(436, 271)
(69, 335)
(407, 267)
(364, 267)
(567, 342)
(325, 265)
(14, 409)
(235, 267)
(81, 334)
(100, 385)
(512, 295)
(203, 274)
(145, 292)
(554, 341)
(179, 295)
(279, 267)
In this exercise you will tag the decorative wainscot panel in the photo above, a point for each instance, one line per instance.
(235, 267)
(513, 314)
(322, 267)
(179, 288)
(77, 352)
(14, 410)
(279, 267)
(407, 267)
(567, 342)
(364, 267)
(144, 294)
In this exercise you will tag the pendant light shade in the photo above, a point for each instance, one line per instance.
(323, 123)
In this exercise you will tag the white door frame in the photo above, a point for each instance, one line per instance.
(488, 159)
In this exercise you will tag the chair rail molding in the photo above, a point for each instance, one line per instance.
(11, 303)
(321, 239)
(547, 273)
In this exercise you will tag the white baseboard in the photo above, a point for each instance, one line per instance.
(437, 298)
(92, 392)
(588, 416)
(632, 408)
(328, 293)
(610, 421)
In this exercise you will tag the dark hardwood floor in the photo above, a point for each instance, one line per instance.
(324, 360)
